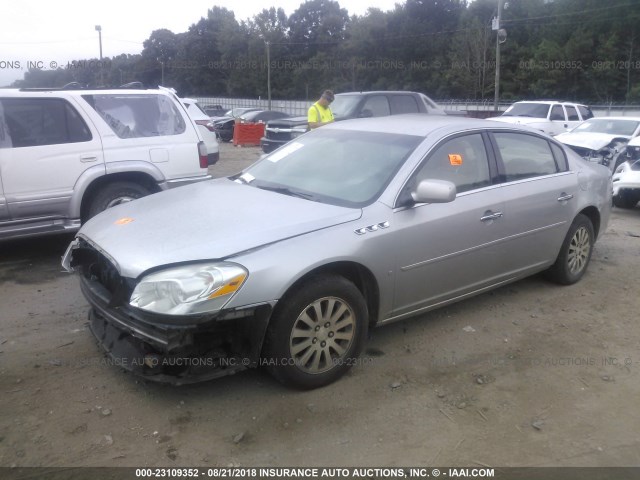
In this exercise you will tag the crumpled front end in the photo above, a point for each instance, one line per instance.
(163, 348)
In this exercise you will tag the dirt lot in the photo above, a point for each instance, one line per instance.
(529, 375)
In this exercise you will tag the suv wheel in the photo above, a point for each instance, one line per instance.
(113, 194)
(316, 333)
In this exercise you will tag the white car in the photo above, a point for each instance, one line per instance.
(602, 139)
(67, 154)
(626, 178)
(547, 116)
(205, 125)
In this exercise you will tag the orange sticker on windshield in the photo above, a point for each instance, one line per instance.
(455, 159)
(123, 221)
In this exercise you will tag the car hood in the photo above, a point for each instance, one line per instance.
(591, 140)
(208, 220)
(287, 122)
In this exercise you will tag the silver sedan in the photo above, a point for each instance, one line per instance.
(354, 225)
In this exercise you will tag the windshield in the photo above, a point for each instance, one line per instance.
(608, 126)
(346, 168)
(343, 105)
(535, 110)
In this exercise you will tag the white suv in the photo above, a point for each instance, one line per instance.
(67, 155)
(547, 116)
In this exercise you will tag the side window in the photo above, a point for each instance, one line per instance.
(30, 122)
(375, 106)
(403, 104)
(524, 156)
(461, 160)
(561, 158)
(572, 114)
(557, 113)
(135, 116)
(585, 112)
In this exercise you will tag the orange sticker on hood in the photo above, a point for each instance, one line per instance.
(455, 159)
(123, 221)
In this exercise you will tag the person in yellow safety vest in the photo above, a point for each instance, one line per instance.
(319, 113)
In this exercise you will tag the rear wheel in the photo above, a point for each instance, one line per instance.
(626, 199)
(316, 333)
(113, 194)
(575, 253)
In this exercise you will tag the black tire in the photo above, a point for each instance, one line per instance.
(626, 199)
(114, 194)
(575, 253)
(320, 310)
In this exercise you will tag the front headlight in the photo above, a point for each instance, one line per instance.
(190, 289)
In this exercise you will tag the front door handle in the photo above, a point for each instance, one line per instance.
(489, 215)
(564, 197)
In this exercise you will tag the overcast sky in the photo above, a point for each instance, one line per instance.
(50, 32)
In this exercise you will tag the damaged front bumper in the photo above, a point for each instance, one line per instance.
(165, 348)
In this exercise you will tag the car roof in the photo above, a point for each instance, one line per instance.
(14, 92)
(551, 102)
(419, 124)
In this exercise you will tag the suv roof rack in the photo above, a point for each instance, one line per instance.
(79, 86)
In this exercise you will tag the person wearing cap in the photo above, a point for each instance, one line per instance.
(319, 113)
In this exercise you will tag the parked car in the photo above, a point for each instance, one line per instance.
(350, 105)
(239, 111)
(357, 224)
(224, 127)
(626, 177)
(547, 116)
(206, 127)
(214, 110)
(66, 155)
(602, 139)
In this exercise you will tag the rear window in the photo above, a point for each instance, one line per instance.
(585, 112)
(135, 116)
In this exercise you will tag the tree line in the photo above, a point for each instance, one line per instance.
(582, 50)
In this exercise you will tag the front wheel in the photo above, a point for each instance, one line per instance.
(575, 252)
(316, 333)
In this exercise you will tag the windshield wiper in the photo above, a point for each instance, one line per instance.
(286, 191)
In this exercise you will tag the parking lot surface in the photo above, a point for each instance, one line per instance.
(531, 374)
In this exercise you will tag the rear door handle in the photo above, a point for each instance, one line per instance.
(564, 197)
(490, 216)
(88, 158)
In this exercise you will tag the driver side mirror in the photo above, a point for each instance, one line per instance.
(434, 191)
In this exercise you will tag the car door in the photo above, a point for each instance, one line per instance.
(558, 120)
(539, 193)
(573, 119)
(447, 250)
(51, 146)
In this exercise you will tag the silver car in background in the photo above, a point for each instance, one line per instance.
(354, 225)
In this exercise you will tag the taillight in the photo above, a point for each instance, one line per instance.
(204, 156)
(206, 123)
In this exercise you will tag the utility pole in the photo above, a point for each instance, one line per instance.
(268, 44)
(496, 27)
(99, 30)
